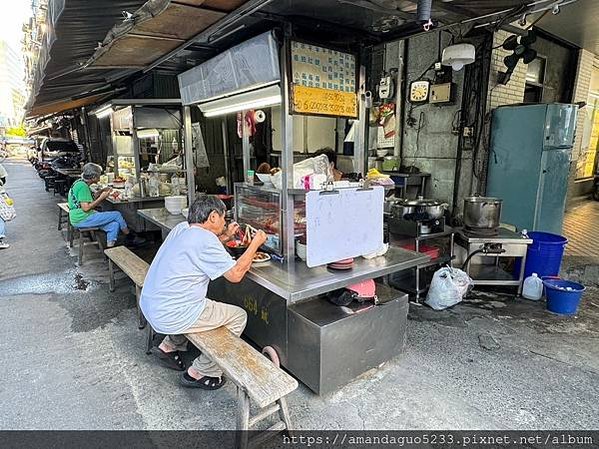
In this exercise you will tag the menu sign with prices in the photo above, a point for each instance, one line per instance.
(324, 81)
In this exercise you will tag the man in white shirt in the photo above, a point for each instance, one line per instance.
(173, 298)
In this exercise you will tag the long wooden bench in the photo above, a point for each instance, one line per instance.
(134, 267)
(257, 378)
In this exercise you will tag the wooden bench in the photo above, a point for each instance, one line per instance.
(257, 379)
(63, 208)
(134, 267)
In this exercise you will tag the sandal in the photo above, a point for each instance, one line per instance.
(172, 360)
(206, 382)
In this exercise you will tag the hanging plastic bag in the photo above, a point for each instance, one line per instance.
(448, 287)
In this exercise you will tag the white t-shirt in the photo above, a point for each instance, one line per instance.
(174, 291)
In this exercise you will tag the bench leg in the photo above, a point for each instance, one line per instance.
(284, 413)
(81, 243)
(243, 419)
(59, 218)
(98, 240)
(150, 340)
(140, 315)
(110, 276)
(70, 233)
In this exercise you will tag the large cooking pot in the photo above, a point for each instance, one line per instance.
(482, 212)
(435, 209)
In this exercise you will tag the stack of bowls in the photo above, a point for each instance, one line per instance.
(175, 203)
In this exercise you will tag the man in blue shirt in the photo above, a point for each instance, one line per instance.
(173, 298)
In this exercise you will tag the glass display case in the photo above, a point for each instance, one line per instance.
(260, 207)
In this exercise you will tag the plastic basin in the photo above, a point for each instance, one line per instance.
(563, 297)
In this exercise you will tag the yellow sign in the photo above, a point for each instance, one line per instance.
(318, 101)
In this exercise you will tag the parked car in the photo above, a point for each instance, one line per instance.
(53, 148)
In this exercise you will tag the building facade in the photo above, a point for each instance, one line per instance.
(12, 87)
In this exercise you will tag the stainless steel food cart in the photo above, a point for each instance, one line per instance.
(324, 345)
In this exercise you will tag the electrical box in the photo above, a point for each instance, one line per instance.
(441, 93)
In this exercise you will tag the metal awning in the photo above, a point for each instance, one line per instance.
(74, 28)
(180, 34)
(92, 46)
(64, 105)
(156, 28)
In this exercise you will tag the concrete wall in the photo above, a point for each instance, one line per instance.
(430, 144)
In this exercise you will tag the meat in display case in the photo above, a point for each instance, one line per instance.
(261, 208)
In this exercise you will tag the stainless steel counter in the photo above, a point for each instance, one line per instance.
(304, 282)
(162, 218)
(129, 210)
(145, 199)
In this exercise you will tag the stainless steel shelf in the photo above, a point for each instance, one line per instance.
(438, 261)
(492, 275)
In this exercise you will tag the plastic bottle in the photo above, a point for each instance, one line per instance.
(175, 189)
(533, 287)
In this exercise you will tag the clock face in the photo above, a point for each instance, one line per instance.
(419, 91)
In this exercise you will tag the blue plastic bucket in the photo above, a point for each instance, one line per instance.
(544, 254)
(559, 299)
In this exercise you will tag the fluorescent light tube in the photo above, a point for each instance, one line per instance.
(103, 112)
(259, 98)
(261, 103)
(147, 133)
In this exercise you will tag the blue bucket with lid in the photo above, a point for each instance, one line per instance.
(563, 297)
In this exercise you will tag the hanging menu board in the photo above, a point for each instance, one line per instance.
(324, 81)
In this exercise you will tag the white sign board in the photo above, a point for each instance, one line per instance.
(344, 224)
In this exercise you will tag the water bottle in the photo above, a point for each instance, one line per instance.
(533, 287)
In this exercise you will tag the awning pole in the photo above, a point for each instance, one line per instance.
(245, 148)
(287, 219)
(136, 147)
(360, 144)
(188, 148)
(228, 176)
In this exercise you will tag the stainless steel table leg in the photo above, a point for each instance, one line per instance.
(521, 278)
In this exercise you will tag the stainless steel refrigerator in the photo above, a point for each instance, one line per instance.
(529, 163)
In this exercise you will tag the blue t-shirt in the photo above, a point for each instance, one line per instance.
(174, 291)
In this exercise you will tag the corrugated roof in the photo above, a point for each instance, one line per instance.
(74, 28)
(90, 45)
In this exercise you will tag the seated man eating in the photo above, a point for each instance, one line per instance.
(173, 298)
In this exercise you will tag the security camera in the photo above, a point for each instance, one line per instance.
(555, 10)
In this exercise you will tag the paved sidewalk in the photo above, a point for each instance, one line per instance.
(71, 356)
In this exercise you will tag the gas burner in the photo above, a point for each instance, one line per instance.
(478, 232)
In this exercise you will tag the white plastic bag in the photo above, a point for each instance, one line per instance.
(314, 165)
(448, 287)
